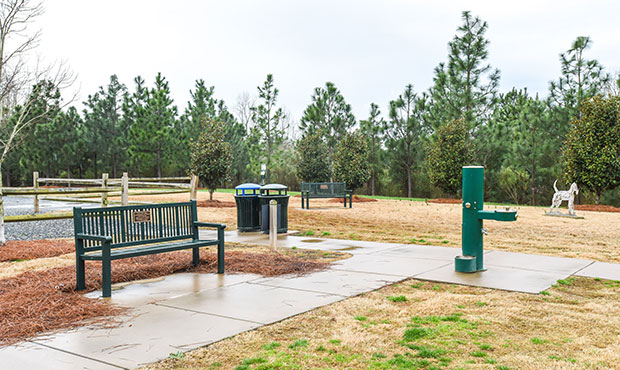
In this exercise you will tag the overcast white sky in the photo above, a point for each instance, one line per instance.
(369, 49)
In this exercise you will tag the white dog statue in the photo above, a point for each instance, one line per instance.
(562, 195)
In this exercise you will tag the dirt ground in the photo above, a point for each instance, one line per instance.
(595, 237)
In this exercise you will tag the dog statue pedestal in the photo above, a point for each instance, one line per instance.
(559, 197)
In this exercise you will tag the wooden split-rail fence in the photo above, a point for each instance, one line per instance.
(97, 191)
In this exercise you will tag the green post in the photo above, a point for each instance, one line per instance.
(472, 259)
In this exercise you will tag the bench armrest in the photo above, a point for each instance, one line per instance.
(209, 224)
(98, 238)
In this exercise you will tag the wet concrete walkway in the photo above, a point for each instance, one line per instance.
(186, 311)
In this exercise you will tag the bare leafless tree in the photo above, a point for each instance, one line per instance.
(20, 70)
(243, 109)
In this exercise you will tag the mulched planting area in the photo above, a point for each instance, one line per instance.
(356, 199)
(19, 250)
(215, 204)
(445, 201)
(596, 208)
(36, 302)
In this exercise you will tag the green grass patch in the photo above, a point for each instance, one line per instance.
(301, 343)
(537, 340)
(398, 298)
(270, 346)
(360, 318)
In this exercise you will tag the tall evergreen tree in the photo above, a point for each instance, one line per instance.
(204, 107)
(447, 155)
(267, 132)
(104, 127)
(581, 79)
(211, 156)
(466, 86)
(351, 161)
(405, 130)
(329, 115)
(311, 159)
(592, 146)
(151, 133)
(372, 129)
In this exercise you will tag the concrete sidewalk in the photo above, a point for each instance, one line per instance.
(186, 311)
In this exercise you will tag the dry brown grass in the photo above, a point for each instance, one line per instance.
(576, 326)
(595, 237)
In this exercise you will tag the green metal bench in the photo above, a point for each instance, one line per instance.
(325, 190)
(111, 233)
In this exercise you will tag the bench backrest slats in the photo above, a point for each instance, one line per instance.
(324, 188)
(151, 224)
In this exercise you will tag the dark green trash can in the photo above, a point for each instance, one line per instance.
(246, 197)
(278, 193)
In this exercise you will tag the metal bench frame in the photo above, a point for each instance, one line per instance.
(325, 190)
(111, 233)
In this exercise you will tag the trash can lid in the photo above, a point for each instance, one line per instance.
(248, 186)
(273, 187)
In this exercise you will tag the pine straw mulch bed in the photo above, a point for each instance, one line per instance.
(36, 302)
(445, 201)
(356, 199)
(215, 204)
(596, 208)
(18, 250)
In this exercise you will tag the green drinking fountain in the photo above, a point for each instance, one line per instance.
(473, 216)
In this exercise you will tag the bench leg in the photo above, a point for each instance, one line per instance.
(196, 256)
(220, 251)
(106, 274)
(302, 201)
(345, 201)
(351, 201)
(80, 274)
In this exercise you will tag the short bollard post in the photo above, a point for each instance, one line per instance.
(273, 223)
(473, 216)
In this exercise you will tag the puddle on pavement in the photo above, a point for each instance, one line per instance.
(349, 248)
(312, 240)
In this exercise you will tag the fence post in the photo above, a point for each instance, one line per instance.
(193, 187)
(104, 185)
(35, 185)
(125, 189)
(273, 224)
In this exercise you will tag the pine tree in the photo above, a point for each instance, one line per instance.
(466, 87)
(329, 115)
(581, 79)
(104, 127)
(268, 130)
(151, 133)
(405, 131)
(372, 129)
(204, 107)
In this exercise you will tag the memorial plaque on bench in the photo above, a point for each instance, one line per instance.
(141, 216)
(324, 187)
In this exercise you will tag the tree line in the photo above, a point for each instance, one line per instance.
(414, 148)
